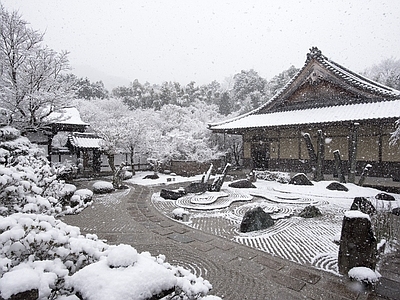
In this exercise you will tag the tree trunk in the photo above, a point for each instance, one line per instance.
(111, 163)
(132, 164)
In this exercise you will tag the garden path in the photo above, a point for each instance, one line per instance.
(234, 270)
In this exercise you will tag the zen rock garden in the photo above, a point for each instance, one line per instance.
(357, 243)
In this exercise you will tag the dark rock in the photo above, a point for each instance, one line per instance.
(364, 205)
(172, 195)
(357, 244)
(151, 176)
(27, 295)
(310, 212)
(384, 196)
(123, 187)
(300, 179)
(197, 187)
(396, 211)
(256, 219)
(336, 186)
(242, 184)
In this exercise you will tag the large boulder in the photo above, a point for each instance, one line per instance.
(310, 211)
(357, 243)
(171, 195)
(242, 184)
(396, 211)
(364, 205)
(256, 219)
(336, 186)
(197, 187)
(385, 197)
(300, 179)
(151, 176)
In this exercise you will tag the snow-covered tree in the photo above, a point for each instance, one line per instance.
(33, 82)
(248, 85)
(395, 137)
(90, 90)
(386, 72)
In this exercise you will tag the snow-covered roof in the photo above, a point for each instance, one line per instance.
(68, 115)
(331, 114)
(366, 99)
(85, 140)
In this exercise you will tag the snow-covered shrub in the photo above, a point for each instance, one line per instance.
(85, 195)
(281, 177)
(102, 187)
(127, 175)
(48, 246)
(66, 170)
(46, 254)
(27, 181)
(67, 191)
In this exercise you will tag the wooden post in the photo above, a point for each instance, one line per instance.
(339, 167)
(353, 152)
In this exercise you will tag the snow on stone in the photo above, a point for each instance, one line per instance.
(356, 214)
(179, 212)
(364, 274)
(18, 281)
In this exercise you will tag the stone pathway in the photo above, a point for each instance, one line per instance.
(234, 270)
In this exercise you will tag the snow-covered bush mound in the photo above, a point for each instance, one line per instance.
(67, 190)
(40, 252)
(85, 195)
(102, 187)
(49, 247)
(127, 175)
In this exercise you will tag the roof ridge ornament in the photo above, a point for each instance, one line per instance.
(314, 53)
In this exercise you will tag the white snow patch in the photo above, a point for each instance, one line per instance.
(356, 214)
(364, 274)
(122, 256)
(18, 281)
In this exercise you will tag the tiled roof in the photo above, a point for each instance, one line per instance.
(331, 114)
(358, 80)
(85, 140)
(386, 100)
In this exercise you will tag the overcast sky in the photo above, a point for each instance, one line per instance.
(205, 40)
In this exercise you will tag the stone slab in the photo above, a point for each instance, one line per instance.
(181, 238)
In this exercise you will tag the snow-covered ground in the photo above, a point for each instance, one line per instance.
(302, 240)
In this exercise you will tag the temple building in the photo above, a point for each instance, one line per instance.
(355, 114)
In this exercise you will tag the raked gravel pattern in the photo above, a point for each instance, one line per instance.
(301, 240)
